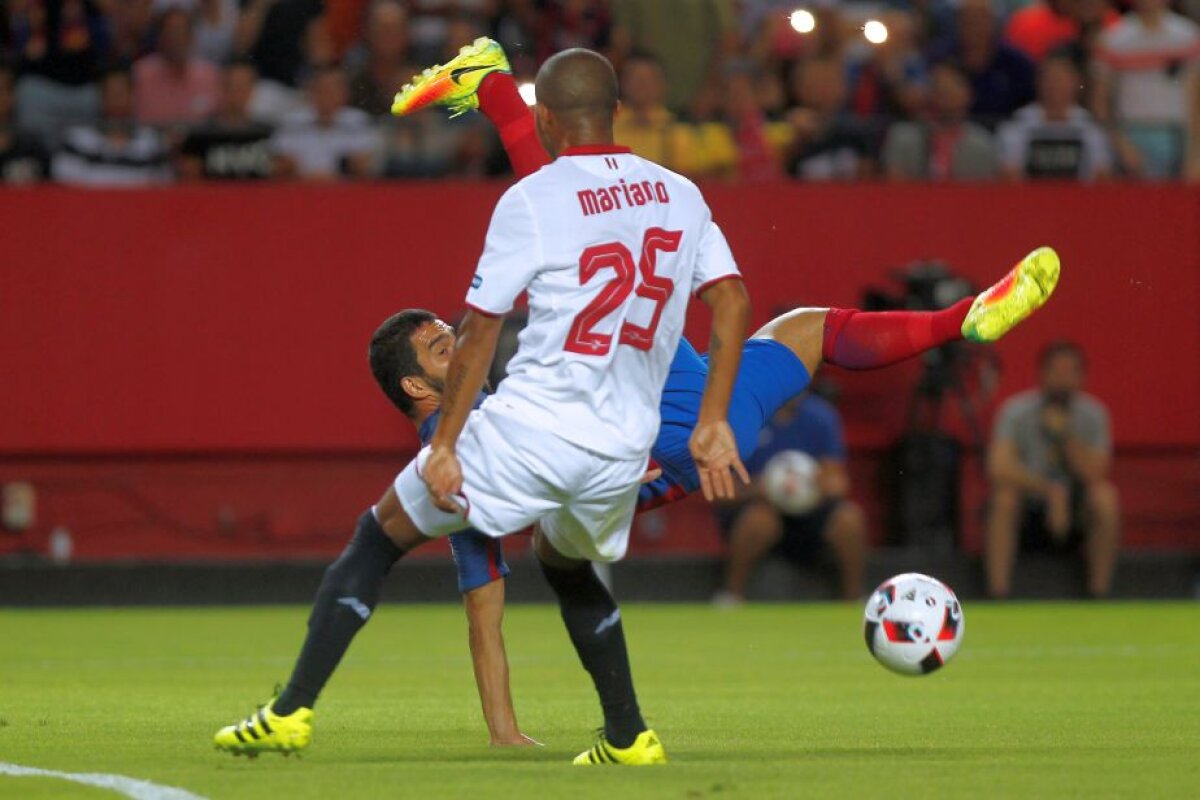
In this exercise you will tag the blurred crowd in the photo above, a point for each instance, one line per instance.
(136, 92)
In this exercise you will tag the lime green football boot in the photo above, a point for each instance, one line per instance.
(264, 731)
(645, 750)
(455, 83)
(1025, 289)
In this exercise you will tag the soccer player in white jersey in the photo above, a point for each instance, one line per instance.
(609, 247)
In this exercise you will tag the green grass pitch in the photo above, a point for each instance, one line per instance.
(1054, 701)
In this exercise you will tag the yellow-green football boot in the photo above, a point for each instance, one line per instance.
(264, 731)
(1025, 289)
(645, 750)
(454, 83)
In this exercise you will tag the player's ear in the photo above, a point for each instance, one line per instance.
(415, 387)
(544, 125)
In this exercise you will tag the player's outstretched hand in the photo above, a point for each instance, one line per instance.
(519, 740)
(443, 475)
(714, 449)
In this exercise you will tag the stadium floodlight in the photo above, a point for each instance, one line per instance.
(527, 92)
(875, 31)
(803, 21)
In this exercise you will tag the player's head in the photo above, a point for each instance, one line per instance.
(1063, 367)
(409, 355)
(576, 100)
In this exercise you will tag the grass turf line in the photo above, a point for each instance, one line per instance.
(1056, 700)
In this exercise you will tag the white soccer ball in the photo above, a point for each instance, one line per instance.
(790, 481)
(913, 624)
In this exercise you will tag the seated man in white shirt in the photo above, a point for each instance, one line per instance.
(1054, 138)
(328, 139)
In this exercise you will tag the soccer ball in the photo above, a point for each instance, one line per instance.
(913, 624)
(790, 482)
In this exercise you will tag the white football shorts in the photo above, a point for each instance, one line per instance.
(515, 475)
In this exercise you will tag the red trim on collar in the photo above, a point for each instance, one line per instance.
(595, 150)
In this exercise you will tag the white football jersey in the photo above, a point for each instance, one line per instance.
(609, 247)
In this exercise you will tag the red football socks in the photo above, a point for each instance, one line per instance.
(869, 340)
(500, 102)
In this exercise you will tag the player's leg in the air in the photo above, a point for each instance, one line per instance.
(869, 340)
(779, 360)
(344, 603)
(479, 77)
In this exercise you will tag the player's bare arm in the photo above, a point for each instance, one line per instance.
(477, 337)
(485, 617)
(713, 445)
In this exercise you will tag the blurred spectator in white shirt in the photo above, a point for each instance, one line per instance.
(328, 139)
(1148, 86)
(1055, 138)
(116, 151)
(171, 85)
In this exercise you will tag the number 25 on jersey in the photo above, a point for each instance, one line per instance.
(582, 338)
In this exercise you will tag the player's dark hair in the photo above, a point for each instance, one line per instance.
(1061, 347)
(393, 356)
